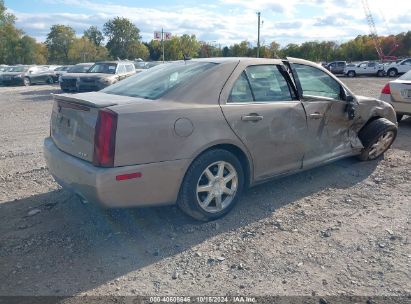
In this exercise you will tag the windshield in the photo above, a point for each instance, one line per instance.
(406, 76)
(79, 69)
(19, 69)
(157, 81)
(106, 68)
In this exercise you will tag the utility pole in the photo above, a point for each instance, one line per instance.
(162, 41)
(258, 37)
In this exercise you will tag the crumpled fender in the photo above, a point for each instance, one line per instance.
(371, 107)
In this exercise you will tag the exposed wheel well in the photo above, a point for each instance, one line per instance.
(240, 155)
(369, 121)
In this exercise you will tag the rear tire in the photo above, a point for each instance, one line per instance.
(380, 74)
(377, 137)
(50, 80)
(212, 185)
(392, 72)
(26, 81)
(351, 74)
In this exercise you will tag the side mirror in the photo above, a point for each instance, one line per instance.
(349, 98)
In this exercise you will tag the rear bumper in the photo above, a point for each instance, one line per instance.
(399, 107)
(68, 85)
(159, 183)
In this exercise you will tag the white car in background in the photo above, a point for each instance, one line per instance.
(399, 68)
(368, 68)
(398, 94)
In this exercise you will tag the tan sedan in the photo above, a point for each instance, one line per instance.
(198, 132)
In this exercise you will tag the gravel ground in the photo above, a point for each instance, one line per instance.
(342, 229)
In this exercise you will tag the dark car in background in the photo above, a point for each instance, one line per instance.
(28, 75)
(336, 67)
(68, 81)
(3, 70)
(105, 73)
(61, 70)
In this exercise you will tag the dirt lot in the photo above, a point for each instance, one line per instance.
(339, 229)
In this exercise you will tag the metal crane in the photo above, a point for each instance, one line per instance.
(374, 35)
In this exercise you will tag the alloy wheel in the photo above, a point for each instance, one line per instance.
(381, 145)
(217, 186)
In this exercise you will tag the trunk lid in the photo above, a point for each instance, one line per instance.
(73, 121)
(401, 90)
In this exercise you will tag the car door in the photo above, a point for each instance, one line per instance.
(362, 69)
(372, 68)
(264, 113)
(341, 67)
(405, 66)
(42, 74)
(329, 134)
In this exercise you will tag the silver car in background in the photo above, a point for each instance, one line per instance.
(398, 94)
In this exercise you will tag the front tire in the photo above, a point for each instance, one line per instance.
(212, 185)
(380, 74)
(377, 137)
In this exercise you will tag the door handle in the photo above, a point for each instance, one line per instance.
(252, 117)
(316, 115)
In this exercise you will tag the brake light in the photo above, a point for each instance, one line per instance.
(105, 138)
(386, 89)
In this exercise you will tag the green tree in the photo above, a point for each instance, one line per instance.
(9, 36)
(121, 34)
(59, 41)
(84, 50)
(94, 35)
(138, 50)
(172, 49)
(189, 45)
(26, 52)
(9, 43)
(240, 50)
(155, 50)
(5, 17)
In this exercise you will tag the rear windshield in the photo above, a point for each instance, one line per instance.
(157, 81)
(406, 76)
(79, 69)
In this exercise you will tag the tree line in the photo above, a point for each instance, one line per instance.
(120, 38)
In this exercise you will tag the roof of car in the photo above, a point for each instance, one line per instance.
(115, 61)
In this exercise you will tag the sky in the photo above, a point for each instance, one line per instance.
(220, 22)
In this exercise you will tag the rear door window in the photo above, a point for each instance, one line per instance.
(241, 91)
(121, 69)
(260, 83)
(129, 68)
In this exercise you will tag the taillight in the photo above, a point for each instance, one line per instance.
(105, 138)
(386, 89)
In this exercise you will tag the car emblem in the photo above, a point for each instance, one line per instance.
(82, 154)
